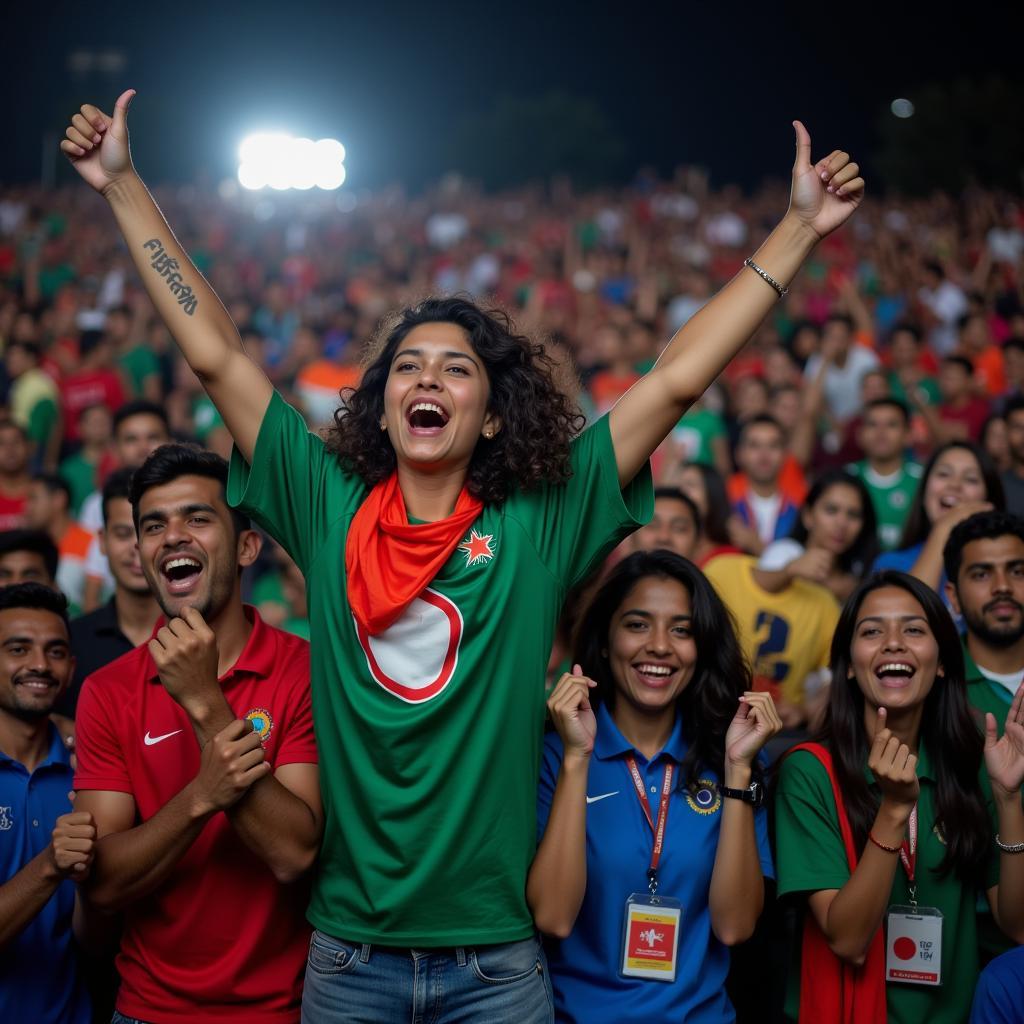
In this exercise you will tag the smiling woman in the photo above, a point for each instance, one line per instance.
(874, 786)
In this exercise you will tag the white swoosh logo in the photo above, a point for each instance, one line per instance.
(603, 796)
(150, 740)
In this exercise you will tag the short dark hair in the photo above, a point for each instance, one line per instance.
(980, 526)
(905, 327)
(118, 485)
(888, 402)
(89, 340)
(675, 494)
(31, 540)
(172, 461)
(37, 596)
(839, 318)
(762, 419)
(1014, 404)
(31, 347)
(962, 361)
(55, 484)
(141, 407)
(1016, 344)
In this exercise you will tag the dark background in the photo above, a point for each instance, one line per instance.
(515, 91)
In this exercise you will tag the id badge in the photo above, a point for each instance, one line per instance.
(913, 951)
(651, 937)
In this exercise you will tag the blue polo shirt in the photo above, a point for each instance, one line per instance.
(39, 979)
(585, 967)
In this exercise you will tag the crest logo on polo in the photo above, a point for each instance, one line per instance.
(6, 821)
(416, 657)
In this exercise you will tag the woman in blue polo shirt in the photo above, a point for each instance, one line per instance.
(661, 742)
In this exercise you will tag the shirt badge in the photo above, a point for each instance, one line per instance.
(478, 548)
(704, 798)
(261, 721)
(6, 821)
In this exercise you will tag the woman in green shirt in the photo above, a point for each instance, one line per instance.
(907, 761)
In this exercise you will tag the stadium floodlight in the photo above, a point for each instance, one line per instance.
(280, 161)
(902, 108)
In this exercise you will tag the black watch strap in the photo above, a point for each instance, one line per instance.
(753, 794)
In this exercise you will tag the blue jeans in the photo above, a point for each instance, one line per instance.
(350, 983)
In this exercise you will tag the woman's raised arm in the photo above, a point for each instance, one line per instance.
(97, 146)
(823, 197)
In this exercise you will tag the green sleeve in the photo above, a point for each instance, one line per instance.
(294, 489)
(575, 525)
(41, 420)
(810, 854)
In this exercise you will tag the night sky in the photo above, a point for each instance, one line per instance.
(709, 83)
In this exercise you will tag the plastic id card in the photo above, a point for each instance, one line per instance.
(651, 937)
(913, 950)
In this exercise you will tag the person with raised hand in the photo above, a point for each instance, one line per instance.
(887, 839)
(670, 711)
(440, 523)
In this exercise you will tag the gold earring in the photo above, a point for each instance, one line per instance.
(383, 424)
(488, 433)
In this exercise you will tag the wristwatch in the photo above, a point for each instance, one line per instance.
(753, 794)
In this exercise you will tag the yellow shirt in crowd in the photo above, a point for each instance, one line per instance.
(786, 636)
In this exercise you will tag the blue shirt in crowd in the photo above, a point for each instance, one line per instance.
(39, 979)
(999, 997)
(585, 966)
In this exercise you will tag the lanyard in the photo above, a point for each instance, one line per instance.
(657, 829)
(908, 855)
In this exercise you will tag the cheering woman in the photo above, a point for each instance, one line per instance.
(654, 842)
(890, 827)
(439, 528)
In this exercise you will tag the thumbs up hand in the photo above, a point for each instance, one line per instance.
(97, 145)
(826, 193)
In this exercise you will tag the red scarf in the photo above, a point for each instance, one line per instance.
(390, 561)
(832, 989)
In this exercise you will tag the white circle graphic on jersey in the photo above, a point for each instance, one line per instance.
(416, 657)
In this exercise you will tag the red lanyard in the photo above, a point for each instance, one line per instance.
(908, 854)
(659, 828)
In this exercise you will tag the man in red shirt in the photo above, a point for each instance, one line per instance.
(93, 383)
(14, 475)
(196, 759)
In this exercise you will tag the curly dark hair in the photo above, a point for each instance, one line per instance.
(528, 393)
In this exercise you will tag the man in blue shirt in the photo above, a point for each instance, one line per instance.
(44, 846)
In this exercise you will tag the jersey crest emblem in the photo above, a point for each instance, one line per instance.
(415, 658)
(704, 798)
(261, 721)
(6, 821)
(479, 548)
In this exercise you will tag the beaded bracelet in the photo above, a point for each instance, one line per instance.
(882, 846)
(748, 262)
(1009, 847)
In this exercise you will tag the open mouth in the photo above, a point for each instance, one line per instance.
(895, 674)
(181, 573)
(426, 419)
(948, 501)
(654, 674)
(36, 684)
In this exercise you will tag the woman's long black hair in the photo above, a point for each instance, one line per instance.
(857, 558)
(918, 526)
(714, 526)
(529, 392)
(709, 701)
(948, 730)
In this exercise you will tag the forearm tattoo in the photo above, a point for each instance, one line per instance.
(167, 267)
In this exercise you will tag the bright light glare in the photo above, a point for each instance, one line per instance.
(902, 108)
(283, 162)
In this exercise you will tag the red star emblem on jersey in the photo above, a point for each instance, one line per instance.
(478, 548)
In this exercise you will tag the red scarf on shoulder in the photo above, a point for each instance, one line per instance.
(390, 561)
(831, 989)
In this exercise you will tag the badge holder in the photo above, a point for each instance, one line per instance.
(650, 939)
(913, 944)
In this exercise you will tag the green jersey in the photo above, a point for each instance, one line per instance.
(430, 733)
(891, 496)
(810, 856)
(696, 432)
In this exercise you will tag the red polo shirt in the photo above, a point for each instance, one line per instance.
(221, 939)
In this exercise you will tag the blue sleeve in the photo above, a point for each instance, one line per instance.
(902, 560)
(550, 764)
(1000, 993)
(764, 846)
